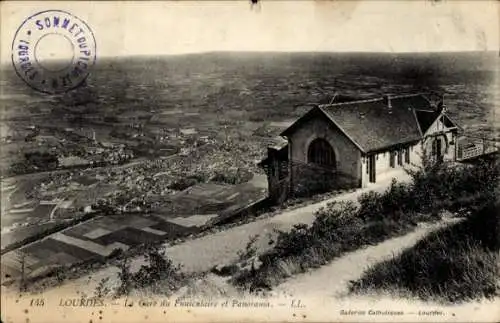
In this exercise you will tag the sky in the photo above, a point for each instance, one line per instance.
(161, 27)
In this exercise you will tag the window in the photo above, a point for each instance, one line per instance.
(320, 152)
(407, 155)
(400, 157)
(434, 148)
(391, 159)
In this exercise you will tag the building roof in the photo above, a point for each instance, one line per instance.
(375, 124)
(280, 153)
(448, 122)
(426, 118)
(277, 142)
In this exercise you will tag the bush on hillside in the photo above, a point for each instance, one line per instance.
(333, 222)
(393, 203)
(125, 277)
(337, 222)
(289, 243)
(457, 263)
(250, 249)
(158, 268)
(438, 186)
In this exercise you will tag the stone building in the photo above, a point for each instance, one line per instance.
(352, 144)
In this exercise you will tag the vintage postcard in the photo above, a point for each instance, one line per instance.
(250, 161)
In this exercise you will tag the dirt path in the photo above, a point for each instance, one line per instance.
(202, 254)
(332, 280)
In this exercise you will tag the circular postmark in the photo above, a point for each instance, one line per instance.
(53, 51)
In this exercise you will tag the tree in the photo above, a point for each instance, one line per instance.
(158, 268)
(125, 277)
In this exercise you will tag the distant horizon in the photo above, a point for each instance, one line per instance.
(477, 52)
(310, 52)
(193, 27)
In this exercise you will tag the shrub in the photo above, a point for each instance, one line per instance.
(125, 277)
(399, 197)
(337, 222)
(371, 206)
(395, 202)
(158, 268)
(250, 249)
(290, 243)
(442, 186)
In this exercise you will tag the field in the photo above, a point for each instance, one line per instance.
(95, 239)
(189, 212)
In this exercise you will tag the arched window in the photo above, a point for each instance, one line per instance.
(320, 152)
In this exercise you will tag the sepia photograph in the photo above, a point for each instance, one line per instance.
(250, 161)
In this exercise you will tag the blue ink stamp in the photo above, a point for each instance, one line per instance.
(53, 51)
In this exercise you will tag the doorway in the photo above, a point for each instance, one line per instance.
(371, 168)
(437, 149)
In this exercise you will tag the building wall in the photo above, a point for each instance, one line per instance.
(348, 156)
(416, 153)
(438, 131)
(383, 165)
(437, 126)
(364, 172)
(382, 162)
(449, 153)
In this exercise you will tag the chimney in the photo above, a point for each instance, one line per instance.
(387, 102)
(442, 105)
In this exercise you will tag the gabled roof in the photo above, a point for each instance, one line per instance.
(426, 118)
(449, 123)
(372, 125)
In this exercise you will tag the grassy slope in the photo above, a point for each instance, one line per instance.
(457, 263)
